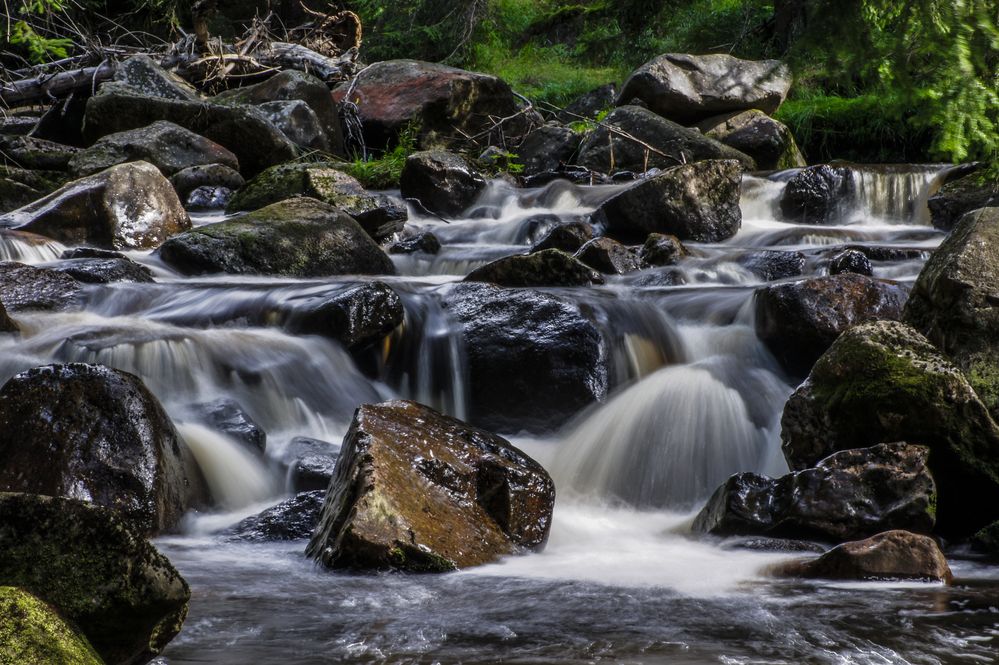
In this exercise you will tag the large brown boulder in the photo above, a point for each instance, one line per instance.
(97, 434)
(128, 206)
(100, 572)
(688, 88)
(418, 491)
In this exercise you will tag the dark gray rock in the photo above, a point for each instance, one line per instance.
(815, 195)
(548, 148)
(294, 519)
(423, 241)
(551, 267)
(360, 316)
(443, 182)
(609, 256)
(773, 264)
(310, 463)
(590, 104)
(187, 180)
(754, 133)
(298, 122)
(661, 250)
(28, 152)
(19, 187)
(208, 198)
(959, 197)
(566, 237)
(851, 260)
(230, 418)
(104, 270)
(24, 288)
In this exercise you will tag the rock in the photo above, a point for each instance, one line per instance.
(63, 121)
(768, 142)
(548, 148)
(28, 152)
(18, 125)
(444, 103)
(551, 267)
(227, 416)
(953, 301)
(423, 241)
(167, 146)
(697, 202)
(24, 288)
(96, 434)
(310, 464)
(756, 544)
(7, 324)
(357, 317)
(689, 88)
(661, 250)
(773, 264)
(443, 182)
(851, 260)
(104, 271)
(892, 555)
(959, 197)
(418, 491)
(293, 85)
(126, 598)
(294, 519)
(33, 632)
(567, 237)
(883, 381)
(205, 199)
(578, 175)
(142, 74)
(815, 194)
(590, 104)
(799, 321)
(128, 206)
(298, 122)
(90, 253)
(377, 214)
(299, 237)
(673, 144)
(187, 180)
(848, 495)
(19, 187)
(987, 540)
(534, 360)
(609, 256)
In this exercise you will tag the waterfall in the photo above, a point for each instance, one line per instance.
(892, 194)
(235, 477)
(28, 247)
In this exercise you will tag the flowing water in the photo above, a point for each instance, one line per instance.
(695, 397)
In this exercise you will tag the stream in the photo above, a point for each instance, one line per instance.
(695, 397)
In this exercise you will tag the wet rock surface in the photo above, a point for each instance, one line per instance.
(227, 416)
(609, 256)
(815, 195)
(551, 267)
(294, 519)
(359, 316)
(754, 133)
(661, 250)
(566, 237)
(959, 197)
(418, 491)
(443, 182)
(187, 180)
(548, 148)
(24, 288)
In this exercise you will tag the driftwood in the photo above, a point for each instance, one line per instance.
(48, 87)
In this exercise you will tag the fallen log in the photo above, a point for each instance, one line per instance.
(49, 87)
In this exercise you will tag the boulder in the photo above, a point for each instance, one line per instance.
(590, 104)
(33, 632)
(892, 555)
(420, 242)
(848, 495)
(300, 237)
(666, 144)
(418, 491)
(883, 381)
(444, 103)
(851, 260)
(145, 77)
(28, 152)
(609, 256)
(298, 122)
(958, 197)
(128, 206)
(768, 142)
(661, 250)
(378, 214)
(987, 540)
(187, 180)
(19, 187)
(103, 575)
(773, 264)
(227, 416)
(293, 85)
(7, 324)
(953, 301)
(357, 317)
(689, 88)
(443, 182)
(294, 519)
(548, 148)
(24, 288)
(567, 237)
(799, 321)
(697, 202)
(96, 434)
(310, 464)
(551, 267)
(815, 195)
(208, 199)
(167, 146)
(104, 271)
(534, 359)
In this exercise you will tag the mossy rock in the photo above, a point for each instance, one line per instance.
(32, 632)
(19, 187)
(102, 574)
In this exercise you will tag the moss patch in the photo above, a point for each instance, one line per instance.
(32, 632)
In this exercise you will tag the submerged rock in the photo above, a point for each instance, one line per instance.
(104, 576)
(697, 201)
(33, 632)
(892, 555)
(24, 288)
(97, 434)
(798, 321)
(754, 133)
(550, 267)
(443, 182)
(128, 206)
(300, 237)
(418, 491)
(883, 381)
(294, 519)
(850, 494)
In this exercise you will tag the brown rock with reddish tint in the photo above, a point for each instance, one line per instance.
(415, 490)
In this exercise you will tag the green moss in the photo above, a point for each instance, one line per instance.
(32, 632)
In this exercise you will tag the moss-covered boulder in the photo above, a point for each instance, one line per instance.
(300, 237)
(883, 381)
(33, 632)
(697, 201)
(443, 182)
(94, 433)
(378, 214)
(103, 575)
(954, 301)
(28, 152)
(128, 206)
(550, 267)
(415, 490)
(769, 142)
(987, 540)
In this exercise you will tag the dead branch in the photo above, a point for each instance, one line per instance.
(48, 87)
